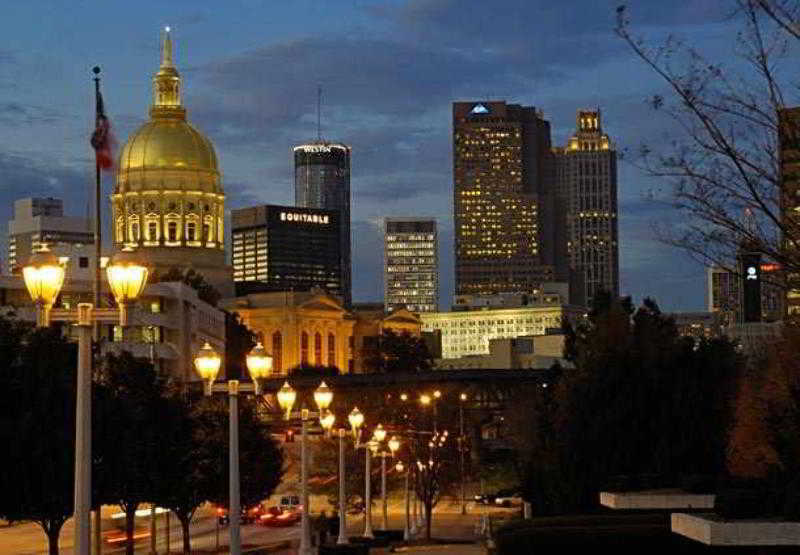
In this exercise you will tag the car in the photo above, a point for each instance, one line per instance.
(248, 516)
(507, 498)
(277, 517)
(118, 537)
(485, 498)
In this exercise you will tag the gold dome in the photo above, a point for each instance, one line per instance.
(167, 153)
(168, 143)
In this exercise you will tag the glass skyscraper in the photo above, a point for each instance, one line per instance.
(322, 180)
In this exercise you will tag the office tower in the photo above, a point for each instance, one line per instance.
(40, 221)
(286, 248)
(586, 177)
(501, 165)
(726, 291)
(789, 158)
(411, 270)
(168, 199)
(322, 180)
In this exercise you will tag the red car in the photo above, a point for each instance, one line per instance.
(248, 516)
(275, 516)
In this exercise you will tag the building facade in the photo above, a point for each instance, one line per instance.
(314, 328)
(725, 293)
(466, 333)
(168, 323)
(39, 221)
(322, 181)
(285, 248)
(789, 160)
(168, 199)
(586, 177)
(501, 170)
(411, 264)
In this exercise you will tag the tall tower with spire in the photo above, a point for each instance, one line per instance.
(168, 199)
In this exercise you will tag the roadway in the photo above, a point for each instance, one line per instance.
(29, 539)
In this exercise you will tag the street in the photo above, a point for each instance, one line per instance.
(28, 538)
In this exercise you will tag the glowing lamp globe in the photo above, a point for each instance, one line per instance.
(356, 419)
(126, 277)
(327, 421)
(323, 396)
(207, 363)
(286, 398)
(399, 466)
(379, 434)
(425, 399)
(259, 362)
(394, 444)
(43, 277)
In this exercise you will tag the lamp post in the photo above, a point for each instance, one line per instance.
(259, 365)
(342, 539)
(461, 440)
(400, 467)
(394, 445)
(323, 397)
(44, 277)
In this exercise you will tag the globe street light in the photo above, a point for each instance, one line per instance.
(207, 362)
(44, 277)
(323, 397)
(356, 419)
(461, 446)
(286, 398)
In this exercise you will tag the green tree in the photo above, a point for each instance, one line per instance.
(397, 352)
(239, 341)
(37, 426)
(261, 458)
(129, 445)
(640, 400)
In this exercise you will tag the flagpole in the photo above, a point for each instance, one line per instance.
(97, 226)
(96, 289)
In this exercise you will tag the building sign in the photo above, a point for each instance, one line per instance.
(305, 218)
(314, 149)
(479, 109)
(770, 267)
(751, 286)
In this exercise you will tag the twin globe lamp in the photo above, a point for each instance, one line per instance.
(44, 277)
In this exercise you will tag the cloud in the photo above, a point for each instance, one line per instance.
(14, 114)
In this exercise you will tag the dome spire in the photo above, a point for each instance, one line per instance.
(166, 49)
(167, 84)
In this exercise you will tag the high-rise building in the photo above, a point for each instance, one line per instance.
(586, 176)
(501, 173)
(168, 200)
(726, 292)
(322, 180)
(286, 248)
(789, 158)
(39, 221)
(411, 270)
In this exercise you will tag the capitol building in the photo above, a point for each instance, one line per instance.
(168, 201)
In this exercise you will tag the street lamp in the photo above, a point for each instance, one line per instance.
(393, 445)
(323, 397)
(356, 419)
(286, 398)
(461, 441)
(44, 277)
(207, 362)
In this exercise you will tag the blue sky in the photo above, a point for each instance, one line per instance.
(389, 71)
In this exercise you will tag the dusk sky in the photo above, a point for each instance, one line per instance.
(389, 70)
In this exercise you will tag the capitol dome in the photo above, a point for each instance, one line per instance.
(168, 199)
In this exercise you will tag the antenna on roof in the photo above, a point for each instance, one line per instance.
(319, 110)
